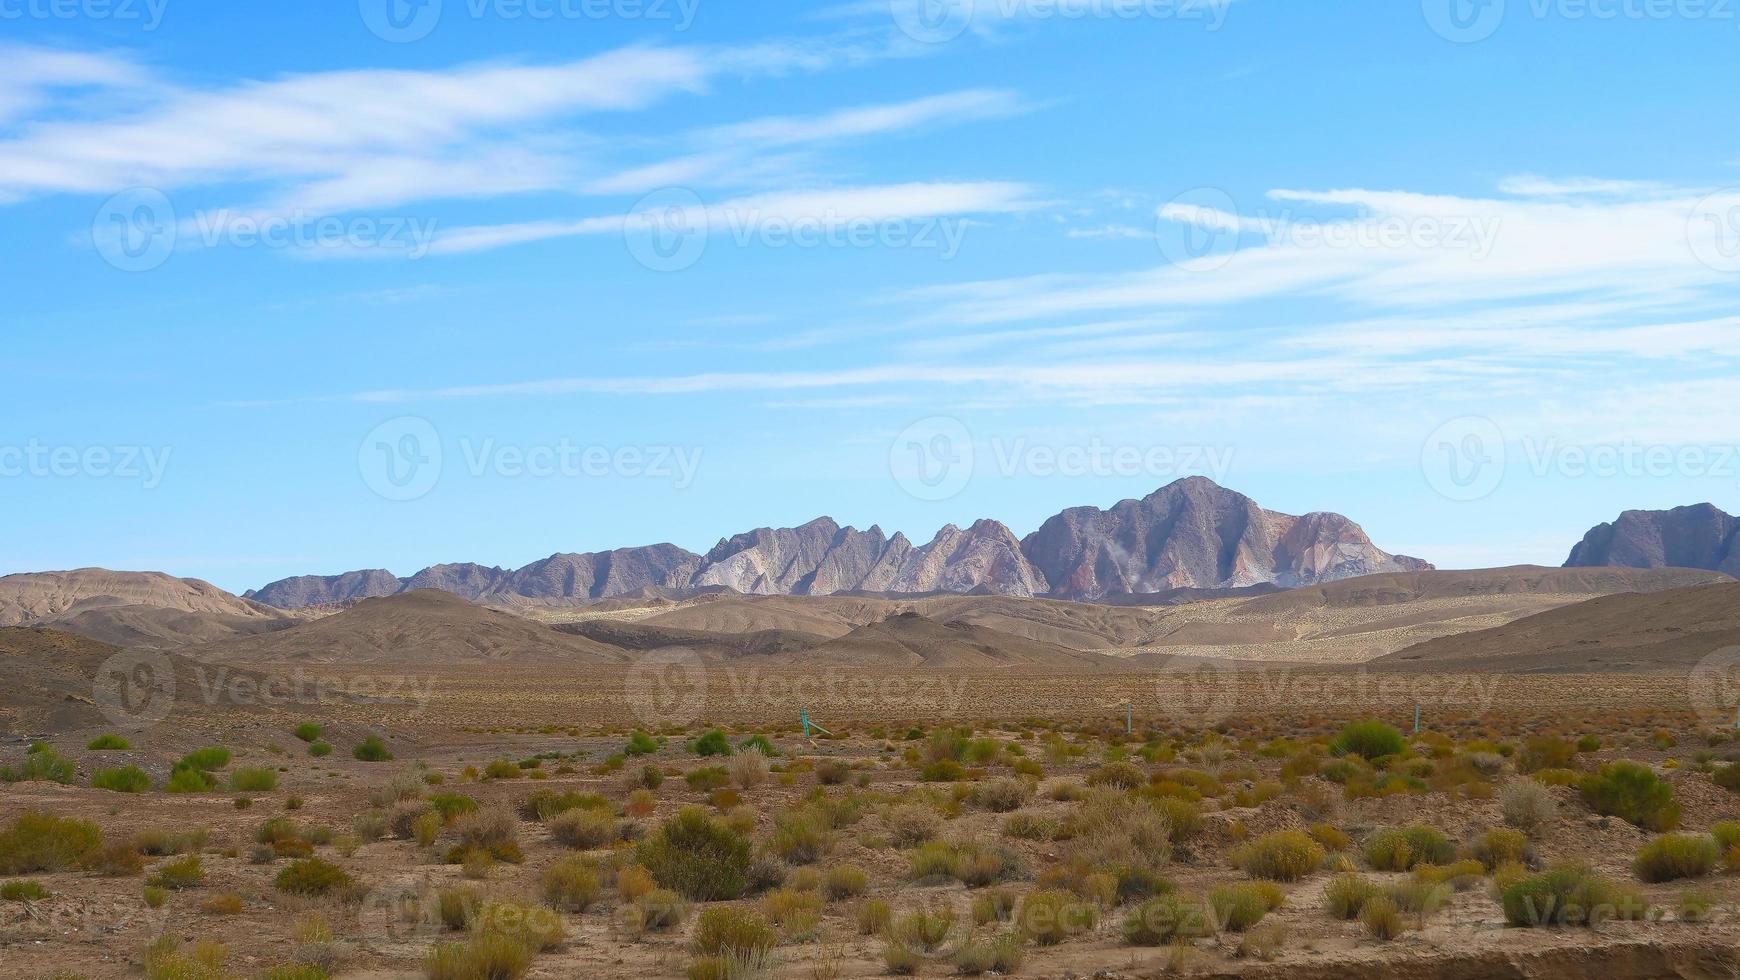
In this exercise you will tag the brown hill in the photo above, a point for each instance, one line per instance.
(1406, 587)
(710, 646)
(1644, 632)
(909, 640)
(1699, 536)
(153, 627)
(425, 627)
(47, 678)
(38, 596)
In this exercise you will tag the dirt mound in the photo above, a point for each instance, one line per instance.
(426, 627)
(38, 596)
(1648, 632)
(722, 646)
(911, 640)
(154, 627)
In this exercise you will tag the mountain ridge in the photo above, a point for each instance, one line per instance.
(1189, 534)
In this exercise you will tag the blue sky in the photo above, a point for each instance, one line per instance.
(285, 295)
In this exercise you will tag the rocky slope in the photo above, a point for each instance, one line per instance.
(1192, 534)
(1700, 536)
(37, 596)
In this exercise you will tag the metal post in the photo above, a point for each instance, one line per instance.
(1416, 719)
(1129, 719)
(806, 720)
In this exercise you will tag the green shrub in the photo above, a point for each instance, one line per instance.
(1403, 849)
(189, 780)
(1123, 775)
(1381, 918)
(451, 805)
(181, 873)
(371, 749)
(1369, 740)
(108, 743)
(1238, 907)
(1346, 895)
(712, 743)
(23, 890)
(486, 955)
(708, 778)
(319, 750)
(1050, 917)
(583, 829)
(308, 731)
(311, 877)
(572, 883)
(125, 779)
(759, 743)
(845, 881)
(640, 743)
(43, 842)
(726, 931)
(1633, 793)
(543, 804)
(1002, 954)
(697, 856)
(1571, 895)
(1674, 856)
(209, 759)
(43, 764)
(253, 780)
(1285, 855)
(1164, 920)
(942, 771)
(1545, 752)
(1501, 846)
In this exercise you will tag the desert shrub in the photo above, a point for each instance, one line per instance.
(371, 749)
(1030, 826)
(1727, 777)
(1459, 875)
(911, 824)
(708, 778)
(1002, 795)
(749, 769)
(23, 890)
(725, 931)
(657, 911)
(1571, 895)
(1726, 834)
(319, 749)
(311, 877)
(1381, 918)
(1526, 805)
(1500, 846)
(713, 742)
(640, 743)
(1369, 740)
(253, 780)
(116, 860)
(108, 743)
(1001, 954)
(494, 830)
(455, 907)
(43, 842)
(125, 779)
(1347, 894)
(1545, 752)
(308, 731)
(209, 759)
(1123, 775)
(544, 804)
(832, 772)
(532, 926)
(583, 829)
(181, 873)
(41, 764)
(1329, 837)
(1167, 919)
(1114, 832)
(1050, 917)
(1286, 855)
(451, 806)
(572, 883)
(1633, 793)
(993, 905)
(697, 856)
(874, 916)
(167, 959)
(800, 836)
(1238, 907)
(484, 956)
(1402, 849)
(845, 881)
(1674, 856)
(942, 771)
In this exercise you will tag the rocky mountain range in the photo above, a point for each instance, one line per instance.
(1190, 534)
(1699, 536)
